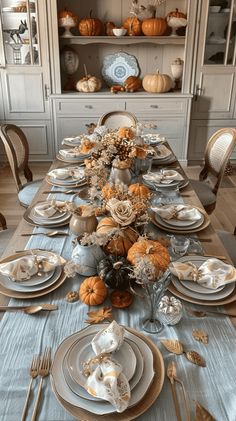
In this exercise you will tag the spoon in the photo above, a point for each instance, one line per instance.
(47, 234)
(61, 191)
(200, 313)
(30, 309)
(172, 375)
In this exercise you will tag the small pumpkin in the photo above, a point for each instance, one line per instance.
(93, 291)
(141, 151)
(139, 190)
(157, 83)
(108, 28)
(154, 26)
(120, 244)
(125, 132)
(90, 27)
(133, 26)
(64, 14)
(132, 84)
(121, 299)
(176, 14)
(154, 251)
(114, 271)
(89, 84)
(108, 191)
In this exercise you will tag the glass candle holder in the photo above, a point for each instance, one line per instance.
(170, 310)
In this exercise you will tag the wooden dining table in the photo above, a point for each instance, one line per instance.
(73, 315)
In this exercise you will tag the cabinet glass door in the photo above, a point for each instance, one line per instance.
(220, 34)
(20, 39)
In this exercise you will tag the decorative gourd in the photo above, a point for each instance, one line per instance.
(133, 26)
(132, 84)
(114, 271)
(141, 151)
(93, 291)
(154, 251)
(63, 14)
(154, 26)
(89, 84)
(176, 14)
(119, 245)
(108, 28)
(121, 299)
(90, 27)
(139, 190)
(108, 191)
(125, 132)
(157, 83)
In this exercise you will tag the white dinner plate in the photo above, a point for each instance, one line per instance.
(164, 161)
(80, 391)
(82, 351)
(161, 152)
(57, 215)
(194, 286)
(99, 408)
(164, 223)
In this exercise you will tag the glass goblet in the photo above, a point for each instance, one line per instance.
(179, 245)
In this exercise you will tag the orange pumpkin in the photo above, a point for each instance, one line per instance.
(139, 190)
(154, 26)
(121, 299)
(132, 84)
(108, 28)
(154, 251)
(176, 14)
(125, 132)
(141, 151)
(93, 291)
(90, 26)
(65, 13)
(133, 26)
(120, 244)
(108, 191)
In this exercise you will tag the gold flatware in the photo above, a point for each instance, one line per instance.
(209, 255)
(44, 370)
(172, 375)
(30, 309)
(47, 234)
(61, 191)
(200, 313)
(33, 371)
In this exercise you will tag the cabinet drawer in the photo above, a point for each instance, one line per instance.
(156, 106)
(88, 108)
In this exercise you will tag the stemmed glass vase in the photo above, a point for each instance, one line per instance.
(154, 292)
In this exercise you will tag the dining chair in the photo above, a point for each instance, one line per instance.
(229, 241)
(218, 150)
(3, 223)
(17, 151)
(116, 119)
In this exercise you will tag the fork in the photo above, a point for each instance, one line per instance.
(33, 370)
(44, 370)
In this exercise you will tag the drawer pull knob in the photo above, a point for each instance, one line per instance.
(154, 106)
(89, 107)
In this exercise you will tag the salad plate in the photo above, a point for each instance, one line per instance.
(118, 67)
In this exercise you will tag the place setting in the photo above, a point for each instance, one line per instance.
(73, 155)
(153, 139)
(31, 273)
(164, 179)
(73, 176)
(48, 214)
(107, 369)
(73, 140)
(162, 155)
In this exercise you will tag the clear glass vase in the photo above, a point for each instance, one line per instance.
(154, 291)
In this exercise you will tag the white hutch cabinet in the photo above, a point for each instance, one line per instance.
(170, 111)
(25, 73)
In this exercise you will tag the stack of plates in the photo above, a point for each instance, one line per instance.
(153, 139)
(196, 293)
(72, 140)
(36, 286)
(181, 226)
(58, 219)
(163, 155)
(161, 185)
(70, 181)
(142, 364)
(71, 155)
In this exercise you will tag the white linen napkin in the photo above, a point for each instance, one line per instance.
(71, 153)
(64, 173)
(106, 379)
(72, 139)
(48, 209)
(181, 212)
(25, 267)
(212, 274)
(163, 177)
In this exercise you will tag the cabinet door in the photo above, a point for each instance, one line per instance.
(26, 60)
(215, 73)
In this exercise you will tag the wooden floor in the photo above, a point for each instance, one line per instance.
(224, 217)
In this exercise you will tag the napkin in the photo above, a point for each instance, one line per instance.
(64, 173)
(71, 139)
(70, 153)
(48, 209)
(161, 151)
(181, 212)
(212, 274)
(106, 379)
(25, 267)
(164, 177)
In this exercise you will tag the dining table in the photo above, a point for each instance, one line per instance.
(24, 335)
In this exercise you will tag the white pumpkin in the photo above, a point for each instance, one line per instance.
(89, 84)
(157, 83)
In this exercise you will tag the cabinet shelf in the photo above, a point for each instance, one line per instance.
(125, 40)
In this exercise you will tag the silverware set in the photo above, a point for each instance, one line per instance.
(172, 376)
(47, 234)
(33, 309)
(40, 366)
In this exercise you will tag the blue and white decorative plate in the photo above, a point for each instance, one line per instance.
(118, 67)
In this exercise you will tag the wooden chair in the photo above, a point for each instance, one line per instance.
(229, 241)
(116, 119)
(3, 223)
(218, 151)
(17, 151)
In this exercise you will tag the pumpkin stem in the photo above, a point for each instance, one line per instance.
(90, 13)
(117, 265)
(85, 70)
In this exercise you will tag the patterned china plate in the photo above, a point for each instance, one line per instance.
(118, 67)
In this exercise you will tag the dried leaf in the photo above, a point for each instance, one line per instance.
(195, 358)
(201, 336)
(202, 414)
(172, 345)
(171, 371)
(99, 315)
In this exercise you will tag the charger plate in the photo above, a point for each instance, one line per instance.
(132, 412)
(56, 183)
(29, 295)
(54, 224)
(70, 161)
(221, 302)
(179, 230)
